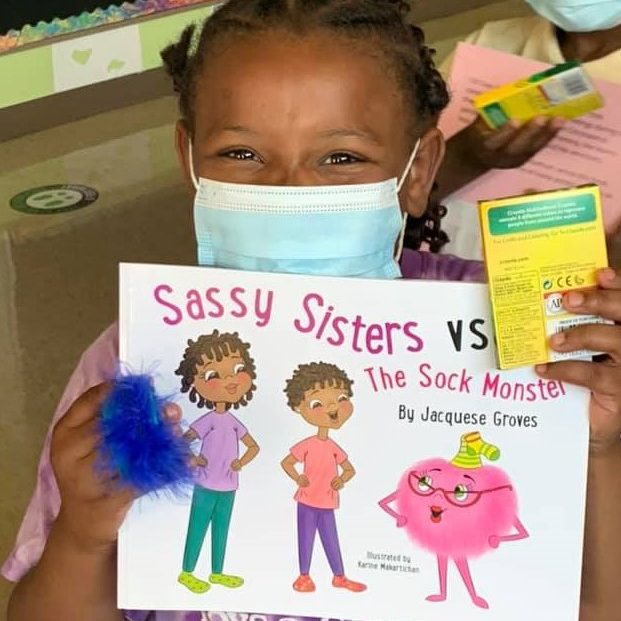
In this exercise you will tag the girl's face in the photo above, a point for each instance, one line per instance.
(226, 381)
(329, 407)
(317, 110)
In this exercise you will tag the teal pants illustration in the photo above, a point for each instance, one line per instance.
(208, 507)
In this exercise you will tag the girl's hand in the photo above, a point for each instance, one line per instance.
(236, 465)
(93, 506)
(512, 145)
(303, 481)
(338, 483)
(603, 378)
(92, 510)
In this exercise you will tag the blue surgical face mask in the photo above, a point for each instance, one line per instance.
(580, 15)
(336, 230)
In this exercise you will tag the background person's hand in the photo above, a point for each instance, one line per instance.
(514, 144)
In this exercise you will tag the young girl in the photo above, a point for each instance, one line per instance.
(297, 93)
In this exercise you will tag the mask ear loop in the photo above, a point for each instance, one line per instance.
(191, 165)
(408, 168)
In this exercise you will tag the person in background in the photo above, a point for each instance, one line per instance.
(588, 31)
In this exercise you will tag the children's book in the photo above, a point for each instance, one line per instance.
(357, 454)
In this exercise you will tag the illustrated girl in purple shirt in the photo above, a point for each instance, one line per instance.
(218, 373)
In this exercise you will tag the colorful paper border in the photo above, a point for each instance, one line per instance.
(32, 72)
(78, 23)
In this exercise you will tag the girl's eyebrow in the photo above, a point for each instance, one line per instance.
(350, 132)
(468, 477)
(338, 132)
(238, 129)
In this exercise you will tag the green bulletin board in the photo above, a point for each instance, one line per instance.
(96, 56)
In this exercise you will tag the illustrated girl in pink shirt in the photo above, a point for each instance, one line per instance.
(321, 393)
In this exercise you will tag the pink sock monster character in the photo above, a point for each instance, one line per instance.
(458, 510)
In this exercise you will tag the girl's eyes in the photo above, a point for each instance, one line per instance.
(343, 398)
(342, 159)
(209, 375)
(314, 404)
(241, 155)
(238, 368)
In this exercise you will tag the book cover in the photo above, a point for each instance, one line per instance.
(357, 454)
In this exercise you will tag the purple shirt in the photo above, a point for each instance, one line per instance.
(97, 365)
(220, 435)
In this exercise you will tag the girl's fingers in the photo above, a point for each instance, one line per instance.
(590, 337)
(87, 481)
(83, 409)
(604, 303)
(599, 378)
(609, 278)
(79, 442)
(173, 413)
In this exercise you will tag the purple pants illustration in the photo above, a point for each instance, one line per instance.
(311, 520)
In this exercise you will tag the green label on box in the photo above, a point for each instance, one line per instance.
(496, 115)
(543, 214)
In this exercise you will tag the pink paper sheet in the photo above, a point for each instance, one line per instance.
(587, 150)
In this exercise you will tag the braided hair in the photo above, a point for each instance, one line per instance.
(381, 22)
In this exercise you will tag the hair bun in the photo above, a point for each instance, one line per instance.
(176, 57)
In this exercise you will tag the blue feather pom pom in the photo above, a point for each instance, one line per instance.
(138, 444)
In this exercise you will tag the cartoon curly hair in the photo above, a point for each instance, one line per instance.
(307, 376)
(214, 346)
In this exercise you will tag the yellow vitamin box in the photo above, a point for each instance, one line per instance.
(537, 249)
(565, 91)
